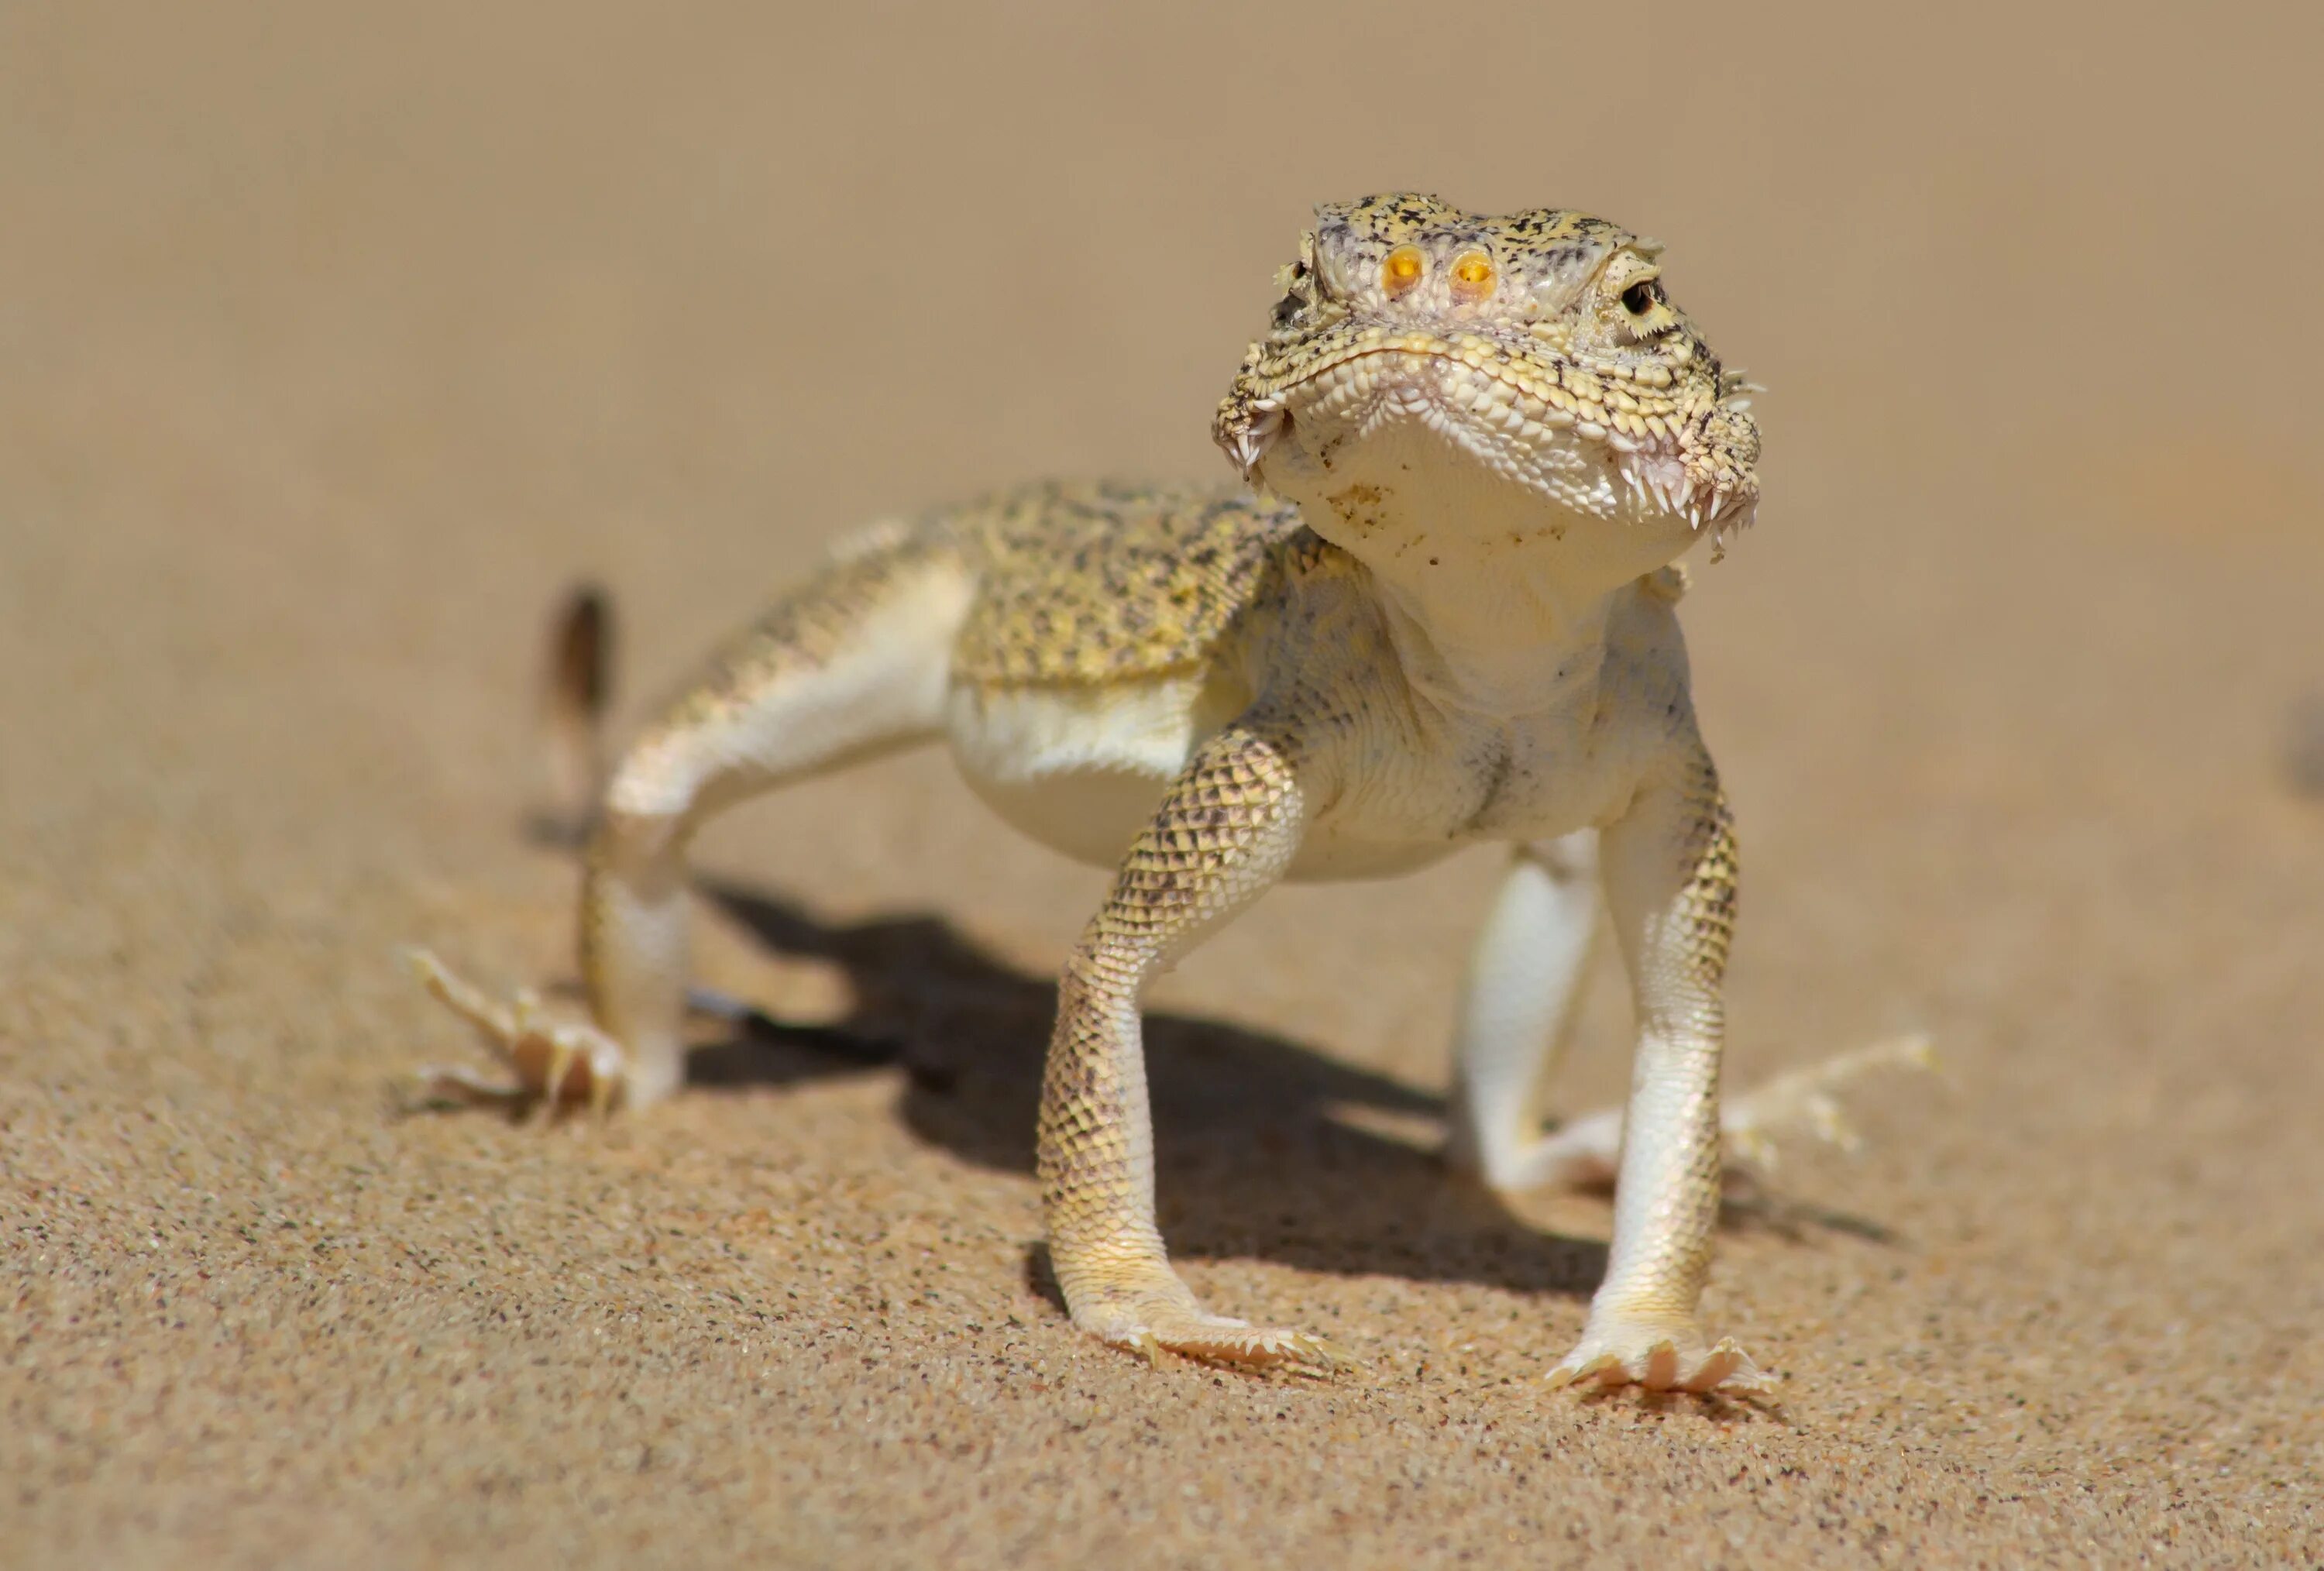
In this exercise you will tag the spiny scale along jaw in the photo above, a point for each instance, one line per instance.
(1538, 346)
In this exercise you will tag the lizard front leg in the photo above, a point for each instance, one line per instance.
(1670, 884)
(1224, 833)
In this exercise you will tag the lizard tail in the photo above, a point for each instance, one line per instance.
(576, 689)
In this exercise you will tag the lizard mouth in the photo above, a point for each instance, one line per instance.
(1510, 410)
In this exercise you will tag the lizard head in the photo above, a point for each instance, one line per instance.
(1539, 348)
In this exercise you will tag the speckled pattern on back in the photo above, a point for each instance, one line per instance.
(1097, 582)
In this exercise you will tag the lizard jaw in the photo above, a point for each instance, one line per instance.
(1688, 465)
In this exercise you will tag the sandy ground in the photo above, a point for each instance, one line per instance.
(334, 341)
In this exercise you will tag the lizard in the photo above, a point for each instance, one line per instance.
(1433, 608)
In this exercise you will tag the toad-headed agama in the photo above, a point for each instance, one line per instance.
(1438, 610)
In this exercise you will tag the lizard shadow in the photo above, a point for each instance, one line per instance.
(1250, 1161)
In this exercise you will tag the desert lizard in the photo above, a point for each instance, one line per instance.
(1439, 611)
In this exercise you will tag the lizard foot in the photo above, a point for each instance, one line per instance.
(1587, 1150)
(1660, 1357)
(1170, 1321)
(1804, 1099)
(551, 1064)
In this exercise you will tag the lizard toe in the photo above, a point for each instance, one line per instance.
(1658, 1359)
(546, 1065)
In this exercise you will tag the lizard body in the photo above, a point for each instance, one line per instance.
(1445, 616)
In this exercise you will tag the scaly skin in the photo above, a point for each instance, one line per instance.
(1447, 617)
(1543, 322)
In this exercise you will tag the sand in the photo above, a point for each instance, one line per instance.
(336, 341)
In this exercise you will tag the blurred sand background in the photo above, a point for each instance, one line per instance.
(336, 340)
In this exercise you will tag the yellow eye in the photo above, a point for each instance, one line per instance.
(1401, 269)
(1472, 275)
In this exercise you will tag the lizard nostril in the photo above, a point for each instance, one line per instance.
(1401, 269)
(1472, 275)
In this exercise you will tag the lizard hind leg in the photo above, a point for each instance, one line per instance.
(853, 663)
(1799, 1104)
(1516, 1013)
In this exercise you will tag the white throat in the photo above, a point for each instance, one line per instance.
(1496, 595)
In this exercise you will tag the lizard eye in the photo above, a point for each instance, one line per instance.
(1646, 310)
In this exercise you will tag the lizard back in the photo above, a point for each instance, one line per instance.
(1093, 583)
